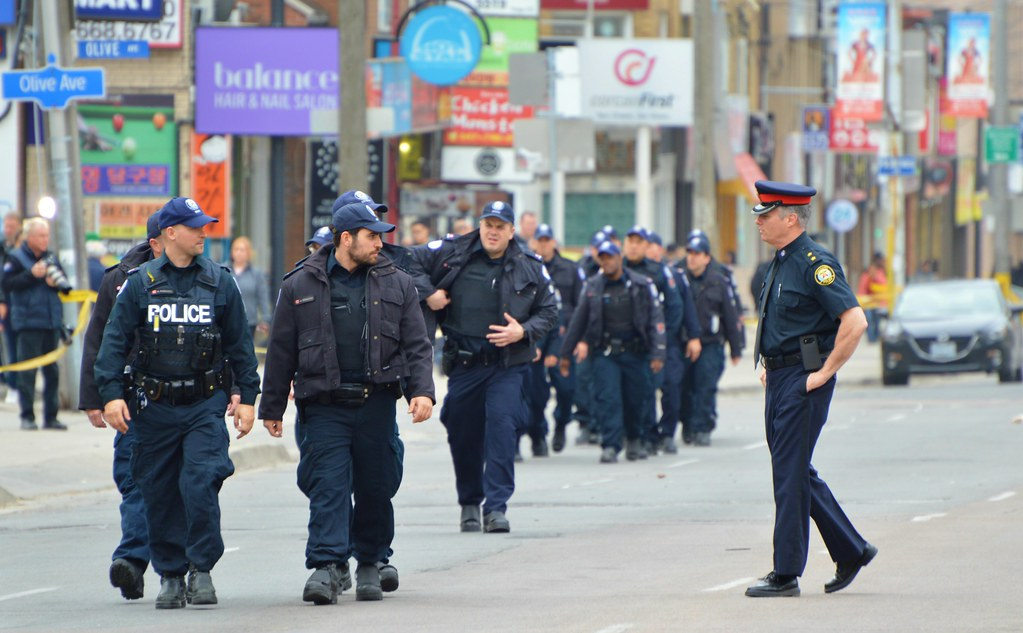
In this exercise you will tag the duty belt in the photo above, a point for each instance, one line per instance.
(179, 392)
(789, 360)
(614, 346)
(350, 395)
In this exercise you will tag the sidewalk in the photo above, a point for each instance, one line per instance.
(38, 464)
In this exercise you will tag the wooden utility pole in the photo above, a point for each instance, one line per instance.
(353, 171)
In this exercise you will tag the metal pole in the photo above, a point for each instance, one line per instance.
(999, 183)
(65, 173)
(644, 186)
(353, 171)
(277, 167)
(896, 265)
(557, 177)
(704, 195)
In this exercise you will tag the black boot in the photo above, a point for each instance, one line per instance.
(200, 588)
(367, 582)
(324, 585)
(172, 593)
(470, 519)
(558, 443)
(128, 577)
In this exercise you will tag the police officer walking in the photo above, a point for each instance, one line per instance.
(187, 316)
(718, 323)
(568, 279)
(349, 331)
(498, 303)
(810, 325)
(131, 557)
(619, 324)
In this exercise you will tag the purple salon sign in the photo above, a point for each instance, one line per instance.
(265, 81)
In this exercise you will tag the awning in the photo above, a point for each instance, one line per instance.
(747, 172)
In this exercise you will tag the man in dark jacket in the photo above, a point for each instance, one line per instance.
(131, 557)
(498, 303)
(32, 278)
(348, 330)
(618, 323)
(715, 307)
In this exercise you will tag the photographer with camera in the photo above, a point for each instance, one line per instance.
(31, 280)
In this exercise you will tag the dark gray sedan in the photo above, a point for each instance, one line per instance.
(953, 326)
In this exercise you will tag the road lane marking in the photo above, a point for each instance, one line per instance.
(684, 462)
(927, 517)
(30, 592)
(897, 417)
(617, 628)
(583, 484)
(730, 585)
(1003, 496)
(750, 447)
(231, 549)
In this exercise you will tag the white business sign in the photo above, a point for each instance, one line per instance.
(507, 8)
(637, 82)
(163, 34)
(481, 164)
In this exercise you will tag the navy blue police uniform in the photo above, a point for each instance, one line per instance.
(671, 303)
(675, 363)
(718, 324)
(353, 341)
(729, 274)
(582, 371)
(190, 326)
(803, 296)
(622, 323)
(485, 405)
(131, 556)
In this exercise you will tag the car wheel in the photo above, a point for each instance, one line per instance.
(1009, 375)
(889, 378)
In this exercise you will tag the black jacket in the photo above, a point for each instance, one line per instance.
(88, 392)
(526, 290)
(715, 307)
(588, 319)
(32, 303)
(301, 343)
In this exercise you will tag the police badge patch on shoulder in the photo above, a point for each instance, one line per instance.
(824, 275)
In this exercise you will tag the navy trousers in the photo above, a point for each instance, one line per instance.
(564, 391)
(671, 392)
(134, 543)
(538, 392)
(701, 388)
(483, 413)
(584, 394)
(346, 451)
(794, 422)
(622, 393)
(180, 464)
(33, 343)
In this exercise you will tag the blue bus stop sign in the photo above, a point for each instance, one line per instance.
(441, 44)
(52, 87)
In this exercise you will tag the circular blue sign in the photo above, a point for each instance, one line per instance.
(842, 215)
(441, 44)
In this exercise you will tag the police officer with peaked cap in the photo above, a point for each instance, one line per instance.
(131, 557)
(498, 303)
(635, 259)
(810, 325)
(718, 324)
(187, 316)
(349, 331)
(619, 324)
(568, 280)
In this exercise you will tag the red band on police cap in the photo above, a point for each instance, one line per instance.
(786, 200)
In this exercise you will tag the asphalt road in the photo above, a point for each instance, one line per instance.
(930, 474)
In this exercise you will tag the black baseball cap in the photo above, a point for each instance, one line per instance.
(352, 217)
(322, 236)
(184, 211)
(354, 196)
(153, 226)
(499, 210)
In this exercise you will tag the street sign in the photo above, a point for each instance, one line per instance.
(842, 215)
(1001, 144)
(142, 10)
(52, 87)
(896, 165)
(113, 49)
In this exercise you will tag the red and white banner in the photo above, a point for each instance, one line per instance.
(483, 117)
(861, 61)
(852, 135)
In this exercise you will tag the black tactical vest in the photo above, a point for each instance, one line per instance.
(618, 310)
(179, 337)
(349, 319)
(475, 298)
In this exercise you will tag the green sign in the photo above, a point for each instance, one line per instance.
(1001, 144)
(507, 36)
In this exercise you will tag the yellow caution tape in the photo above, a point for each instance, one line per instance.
(86, 298)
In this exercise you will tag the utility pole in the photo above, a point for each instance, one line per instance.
(896, 265)
(704, 193)
(557, 177)
(998, 186)
(277, 180)
(65, 173)
(353, 171)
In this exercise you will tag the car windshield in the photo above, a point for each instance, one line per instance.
(942, 301)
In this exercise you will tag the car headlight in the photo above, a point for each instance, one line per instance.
(995, 336)
(892, 331)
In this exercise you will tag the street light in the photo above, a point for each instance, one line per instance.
(47, 207)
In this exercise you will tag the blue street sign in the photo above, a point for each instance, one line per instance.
(896, 165)
(130, 10)
(113, 49)
(7, 13)
(52, 87)
(441, 44)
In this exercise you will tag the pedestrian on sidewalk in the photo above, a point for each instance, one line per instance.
(11, 241)
(188, 318)
(131, 556)
(810, 325)
(32, 279)
(349, 332)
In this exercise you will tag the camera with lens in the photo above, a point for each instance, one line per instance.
(55, 276)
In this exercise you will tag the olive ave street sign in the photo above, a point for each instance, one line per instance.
(52, 86)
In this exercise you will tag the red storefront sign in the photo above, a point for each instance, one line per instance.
(483, 117)
(852, 135)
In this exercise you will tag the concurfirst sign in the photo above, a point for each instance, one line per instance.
(637, 82)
